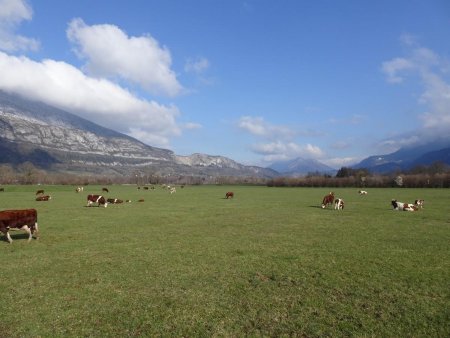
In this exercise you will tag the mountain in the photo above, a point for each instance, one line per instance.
(56, 140)
(408, 157)
(301, 167)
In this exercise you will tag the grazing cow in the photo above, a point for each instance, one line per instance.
(328, 199)
(19, 220)
(403, 206)
(141, 200)
(2, 189)
(172, 190)
(105, 189)
(419, 203)
(40, 192)
(338, 204)
(43, 198)
(79, 189)
(114, 201)
(362, 192)
(229, 194)
(99, 199)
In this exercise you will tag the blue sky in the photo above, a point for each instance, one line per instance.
(255, 81)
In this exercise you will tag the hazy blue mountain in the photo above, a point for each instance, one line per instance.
(300, 167)
(409, 157)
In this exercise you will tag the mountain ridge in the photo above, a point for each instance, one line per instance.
(71, 143)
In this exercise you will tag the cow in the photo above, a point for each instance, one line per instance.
(25, 219)
(40, 192)
(328, 199)
(362, 192)
(114, 201)
(229, 194)
(172, 190)
(128, 201)
(79, 189)
(403, 206)
(43, 198)
(105, 189)
(338, 204)
(419, 203)
(145, 188)
(141, 200)
(99, 199)
(2, 189)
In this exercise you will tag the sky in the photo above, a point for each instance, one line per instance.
(257, 81)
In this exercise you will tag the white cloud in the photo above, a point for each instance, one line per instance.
(279, 150)
(393, 67)
(99, 100)
(110, 52)
(433, 72)
(258, 127)
(12, 13)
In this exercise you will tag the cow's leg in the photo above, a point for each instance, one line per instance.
(36, 230)
(8, 237)
(27, 229)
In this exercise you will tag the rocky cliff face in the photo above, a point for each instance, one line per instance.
(61, 141)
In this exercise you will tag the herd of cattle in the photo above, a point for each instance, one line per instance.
(329, 199)
(26, 219)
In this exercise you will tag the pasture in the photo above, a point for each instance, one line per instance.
(268, 262)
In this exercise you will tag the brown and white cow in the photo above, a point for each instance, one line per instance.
(403, 206)
(114, 200)
(338, 204)
(229, 194)
(79, 189)
(328, 199)
(362, 192)
(25, 219)
(44, 198)
(99, 199)
(419, 203)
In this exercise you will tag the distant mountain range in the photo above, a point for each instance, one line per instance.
(56, 140)
(302, 167)
(409, 157)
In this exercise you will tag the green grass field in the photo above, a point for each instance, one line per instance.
(269, 262)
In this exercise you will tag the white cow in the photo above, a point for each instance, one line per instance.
(362, 192)
(338, 204)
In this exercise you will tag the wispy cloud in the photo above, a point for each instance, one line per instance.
(12, 13)
(434, 76)
(140, 60)
(197, 66)
(277, 141)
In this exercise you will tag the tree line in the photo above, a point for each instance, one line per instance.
(436, 175)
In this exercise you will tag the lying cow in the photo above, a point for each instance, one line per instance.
(19, 220)
(328, 199)
(114, 200)
(362, 192)
(403, 206)
(338, 204)
(99, 199)
(44, 198)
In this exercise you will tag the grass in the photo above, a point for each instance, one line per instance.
(269, 262)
